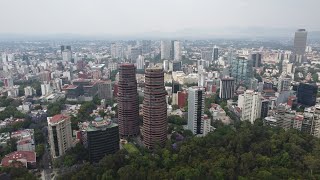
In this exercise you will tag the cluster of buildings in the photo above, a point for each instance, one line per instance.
(25, 155)
(255, 83)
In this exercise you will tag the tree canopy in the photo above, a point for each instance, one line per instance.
(248, 152)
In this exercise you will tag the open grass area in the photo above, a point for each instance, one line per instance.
(131, 148)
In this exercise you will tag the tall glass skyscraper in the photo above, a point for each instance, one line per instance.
(307, 94)
(241, 70)
(300, 43)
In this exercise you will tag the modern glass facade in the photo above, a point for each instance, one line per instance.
(307, 94)
(241, 70)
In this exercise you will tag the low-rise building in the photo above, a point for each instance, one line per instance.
(20, 159)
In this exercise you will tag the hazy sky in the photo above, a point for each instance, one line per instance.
(136, 16)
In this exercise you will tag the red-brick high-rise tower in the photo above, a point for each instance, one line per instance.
(154, 108)
(128, 105)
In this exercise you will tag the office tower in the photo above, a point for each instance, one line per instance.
(66, 53)
(28, 91)
(287, 67)
(284, 84)
(206, 55)
(176, 65)
(57, 84)
(307, 94)
(63, 48)
(226, 88)
(116, 50)
(100, 137)
(300, 43)
(128, 107)
(264, 108)
(165, 49)
(140, 62)
(241, 70)
(113, 50)
(46, 89)
(201, 64)
(196, 103)
(177, 50)
(134, 54)
(201, 79)
(172, 50)
(154, 108)
(166, 65)
(215, 53)
(60, 134)
(250, 105)
(256, 59)
(105, 90)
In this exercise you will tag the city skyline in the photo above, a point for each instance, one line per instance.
(115, 17)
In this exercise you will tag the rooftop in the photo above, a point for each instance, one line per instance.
(98, 124)
(70, 87)
(22, 133)
(22, 156)
(57, 118)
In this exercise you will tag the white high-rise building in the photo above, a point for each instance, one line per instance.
(284, 84)
(113, 50)
(177, 50)
(116, 50)
(60, 134)
(207, 125)
(66, 55)
(166, 65)
(57, 84)
(202, 80)
(45, 89)
(28, 91)
(165, 49)
(4, 58)
(250, 105)
(140, 62)
(13, 92)
(316, 122)
(196, 96)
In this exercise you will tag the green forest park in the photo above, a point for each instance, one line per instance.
(244, 152)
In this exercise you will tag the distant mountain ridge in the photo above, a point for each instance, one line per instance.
(188, 33)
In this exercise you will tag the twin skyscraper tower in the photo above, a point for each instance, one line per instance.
(154, 129)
